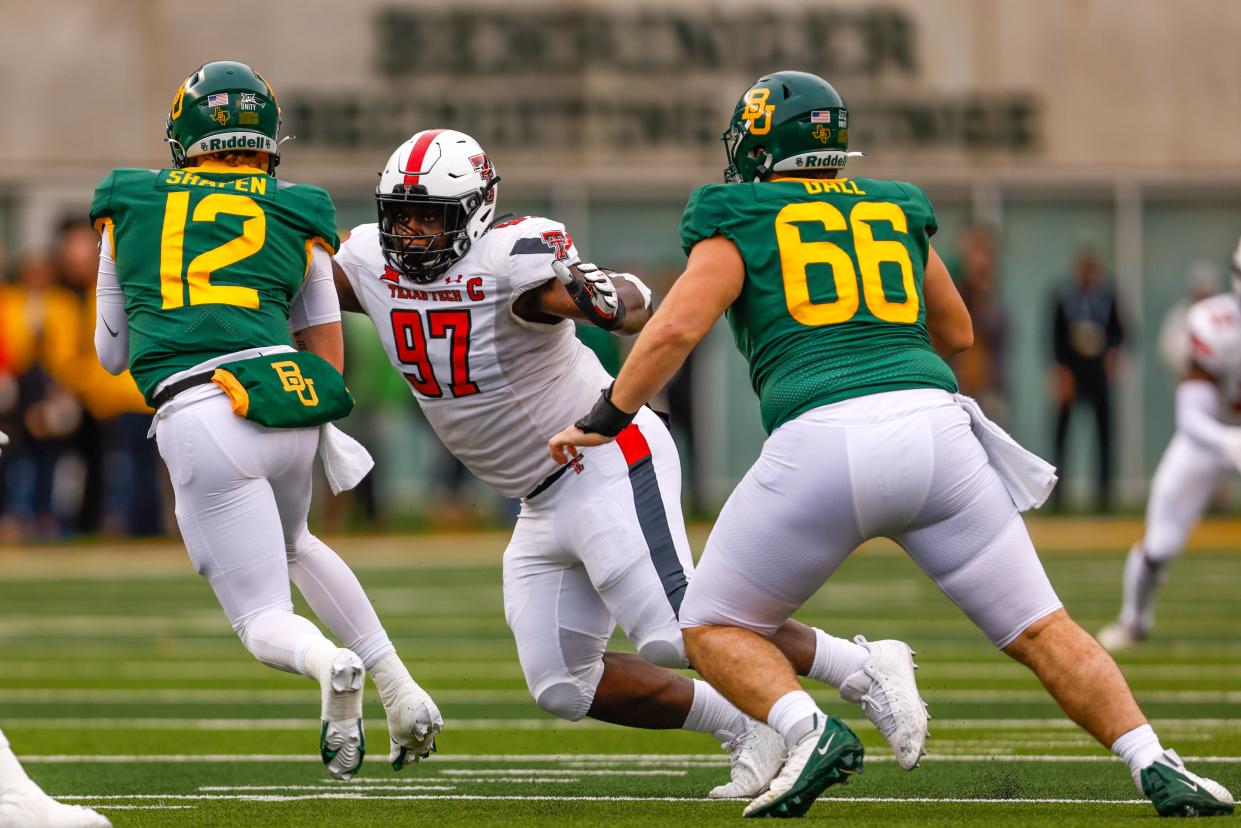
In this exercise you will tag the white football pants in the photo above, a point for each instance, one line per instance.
(601, 547)
(243, 494)
(1186, 477)
(903, 465)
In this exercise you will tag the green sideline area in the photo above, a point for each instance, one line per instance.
(122, 687)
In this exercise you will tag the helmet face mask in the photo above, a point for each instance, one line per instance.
(405, 217)
(786, 122)
(224, 106)
(436, 196)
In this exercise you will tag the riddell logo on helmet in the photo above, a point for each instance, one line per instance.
(255, 142)
(825, 160)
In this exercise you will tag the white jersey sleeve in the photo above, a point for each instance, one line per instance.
(532, 243)
(1215, 342)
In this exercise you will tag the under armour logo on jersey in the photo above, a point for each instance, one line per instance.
(558, 241)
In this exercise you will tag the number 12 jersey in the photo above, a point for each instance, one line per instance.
(209, 259)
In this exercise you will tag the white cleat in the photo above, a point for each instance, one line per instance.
(888, 692)
(413, 722)
(757, 755)
(342, 743)
(29, 807)
(1118, 637)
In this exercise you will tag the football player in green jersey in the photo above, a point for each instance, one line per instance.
(843, 310)
(204, 269)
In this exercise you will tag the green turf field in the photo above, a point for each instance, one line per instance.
(122, 687)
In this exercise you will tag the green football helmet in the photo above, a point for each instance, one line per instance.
(224, 105)
(786, 122)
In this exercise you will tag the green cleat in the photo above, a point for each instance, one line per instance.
(828, 755)
(1177, 792)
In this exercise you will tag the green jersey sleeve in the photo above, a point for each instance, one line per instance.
(920, 212)
(708, 213)
(101, 204)
(316, 209)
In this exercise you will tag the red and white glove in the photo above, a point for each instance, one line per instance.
(593, 293)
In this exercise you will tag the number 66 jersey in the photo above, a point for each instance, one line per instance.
(810, 335)
(493, 386)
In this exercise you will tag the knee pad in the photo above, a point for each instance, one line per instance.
(1163, 543)
(565, 699)
(665, 651)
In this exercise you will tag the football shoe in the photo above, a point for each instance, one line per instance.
(28, 807)
(756, 756)
(1118, 637)
(888, 692)
(828, 755)
(413, 722)
(342, 743)
(1177, 792)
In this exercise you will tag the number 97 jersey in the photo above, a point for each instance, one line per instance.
(831, 307)
(493, 386)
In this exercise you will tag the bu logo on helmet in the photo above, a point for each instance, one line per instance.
(756, 109)
(221, 116)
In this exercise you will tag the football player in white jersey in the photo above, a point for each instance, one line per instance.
(1205, 447)
(473, 310)
(23, 803)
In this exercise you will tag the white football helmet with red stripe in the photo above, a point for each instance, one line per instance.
(437, 195)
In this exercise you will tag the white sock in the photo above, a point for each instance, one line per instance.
(1138, 748)
(1143, 578)
(314, 654)
(12, 775)
(794, 716)
(712, 713)
(390, 676)
(336, 706)
(835, 659)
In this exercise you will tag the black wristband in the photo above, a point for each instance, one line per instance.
(605, 418)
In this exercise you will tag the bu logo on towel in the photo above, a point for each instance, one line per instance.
(291, 380)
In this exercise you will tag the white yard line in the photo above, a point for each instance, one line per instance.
(597, 760)
(576, 798)
(259, 697)
(259, 724)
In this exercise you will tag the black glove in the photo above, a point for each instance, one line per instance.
(605, 419)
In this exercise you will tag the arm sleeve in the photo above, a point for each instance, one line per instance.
(316, 302)
(111, 325)
(1197, 413)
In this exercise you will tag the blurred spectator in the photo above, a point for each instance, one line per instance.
(122, 490)
(1204, 279)
(980, 370)
(38, 338)
(1087, 334)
